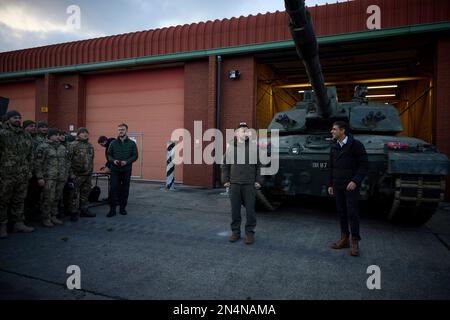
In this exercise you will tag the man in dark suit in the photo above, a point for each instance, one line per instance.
(348, 168)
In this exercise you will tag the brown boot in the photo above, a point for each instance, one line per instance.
(3, 231)
(21, 227)
(342, 243)
(249, 238)
(234, 237)
(355, 247)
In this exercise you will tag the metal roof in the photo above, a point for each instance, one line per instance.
(328, 19)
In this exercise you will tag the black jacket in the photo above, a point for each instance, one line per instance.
(245, 173)
(123, 151)
(349, 163)
(108, 163)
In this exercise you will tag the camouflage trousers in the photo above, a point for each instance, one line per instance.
(83, 187)
(51, 195)
(13, 191)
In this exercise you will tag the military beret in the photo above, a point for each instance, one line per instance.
(52, 132)
(82, 130)
(12, 113)
(27, 123)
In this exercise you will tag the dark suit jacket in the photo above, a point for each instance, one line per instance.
(349, 163)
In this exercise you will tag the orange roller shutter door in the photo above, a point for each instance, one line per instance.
(22, 97)
(151, 102)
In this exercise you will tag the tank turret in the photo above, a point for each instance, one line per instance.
(320, 107)
(308, 50)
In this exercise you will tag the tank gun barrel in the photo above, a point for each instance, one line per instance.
(307, 48)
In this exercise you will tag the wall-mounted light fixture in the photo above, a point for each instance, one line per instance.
(234, 74)
(67, 86)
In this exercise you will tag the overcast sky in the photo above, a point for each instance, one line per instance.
(32, 23)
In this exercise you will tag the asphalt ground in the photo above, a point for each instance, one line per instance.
(174, 245)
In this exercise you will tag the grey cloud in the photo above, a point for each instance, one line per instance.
(104, 17)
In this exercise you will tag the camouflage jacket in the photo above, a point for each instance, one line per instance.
(68, 162)
(16, 152)
(82, 157)
(36, 142)
(40, 138)
(51, 161)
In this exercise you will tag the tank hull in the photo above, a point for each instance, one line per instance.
(400, 179)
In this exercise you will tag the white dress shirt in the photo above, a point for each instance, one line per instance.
(343, 142)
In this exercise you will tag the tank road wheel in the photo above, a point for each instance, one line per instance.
(264, 204)
(416, 200)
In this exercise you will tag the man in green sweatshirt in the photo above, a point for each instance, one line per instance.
(241, 173)
(121, 153)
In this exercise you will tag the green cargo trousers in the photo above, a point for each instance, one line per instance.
(13, 191)
(243, 194)
(83, 187)
(51, 195)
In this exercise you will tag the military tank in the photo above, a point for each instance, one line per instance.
(406, 175)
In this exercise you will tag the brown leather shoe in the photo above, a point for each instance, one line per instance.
(234, 237)
(342, 243)
(355, 248)
(249, 238)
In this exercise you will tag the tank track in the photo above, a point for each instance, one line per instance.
(416, 198)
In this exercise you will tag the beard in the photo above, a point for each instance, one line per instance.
(15, 124)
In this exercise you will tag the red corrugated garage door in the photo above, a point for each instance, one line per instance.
(151, 102)
(22, 97)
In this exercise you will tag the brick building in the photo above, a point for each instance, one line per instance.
(164, 79)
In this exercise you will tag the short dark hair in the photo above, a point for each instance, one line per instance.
(342, 125)
(42, 124)
(123, 125)
(102, 139)
(82, 130)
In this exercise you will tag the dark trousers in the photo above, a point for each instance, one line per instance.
(120, 188)
(347, 206)
(243, 194)
(32, 201)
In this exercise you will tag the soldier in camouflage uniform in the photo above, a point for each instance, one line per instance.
(16, 156)
(30, 127)
(82, 164)
(34, 191)
(42, 128)
(62, 185)
(69, 189)
(50, 167)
